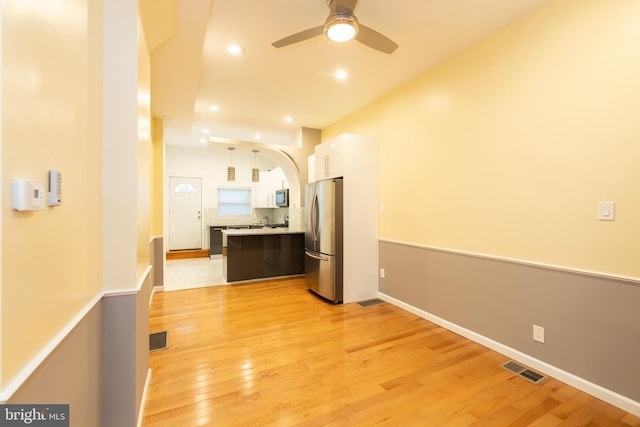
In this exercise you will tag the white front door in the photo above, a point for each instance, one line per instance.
(185, 213)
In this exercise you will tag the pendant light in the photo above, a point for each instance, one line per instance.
(255, 172)
(231, 171)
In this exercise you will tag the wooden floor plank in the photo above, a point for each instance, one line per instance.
(272, 354)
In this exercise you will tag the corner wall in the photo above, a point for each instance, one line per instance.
(503, 152)
(127, 192)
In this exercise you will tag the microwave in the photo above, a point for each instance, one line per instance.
(282, 198)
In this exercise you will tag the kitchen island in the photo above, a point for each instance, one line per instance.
(263, 253)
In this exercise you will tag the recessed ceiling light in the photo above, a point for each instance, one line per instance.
(214, 108)
(257, 136)
(235, 49)
(341, 75)
(288, 119)
(203, 140)
(205, 130)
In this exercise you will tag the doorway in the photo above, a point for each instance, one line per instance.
(185, 213)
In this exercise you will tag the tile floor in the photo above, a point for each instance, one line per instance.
(193, 273)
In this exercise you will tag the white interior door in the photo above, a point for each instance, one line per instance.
(185, 213)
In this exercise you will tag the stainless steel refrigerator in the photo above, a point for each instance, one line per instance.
(323, 238)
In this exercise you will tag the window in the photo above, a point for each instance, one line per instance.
(185, 188)
(234, 201)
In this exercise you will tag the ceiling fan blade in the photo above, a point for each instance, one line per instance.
(370, 37)
(298, 37)
(345, 6)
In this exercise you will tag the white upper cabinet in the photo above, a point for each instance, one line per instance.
(262, 191)
(330, 158)
(265, 190)
(278, 180)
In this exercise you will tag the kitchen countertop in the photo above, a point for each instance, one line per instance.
(260, 231)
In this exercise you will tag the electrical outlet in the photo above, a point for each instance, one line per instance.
(382, 273)
(538, 333)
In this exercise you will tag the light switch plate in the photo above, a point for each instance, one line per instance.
(606, 211)
(538, 333)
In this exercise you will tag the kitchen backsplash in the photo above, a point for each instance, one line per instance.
(275, 215)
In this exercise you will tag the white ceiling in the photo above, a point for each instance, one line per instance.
(256, 90)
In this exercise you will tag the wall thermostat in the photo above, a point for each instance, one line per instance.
(55, 188)
(28, 195)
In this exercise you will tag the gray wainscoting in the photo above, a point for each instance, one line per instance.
(156, 255)
(101, 366)
(118, 360)
(592, 323)
(70, 374)
(125, 354)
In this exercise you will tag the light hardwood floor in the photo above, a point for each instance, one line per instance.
(272, 354)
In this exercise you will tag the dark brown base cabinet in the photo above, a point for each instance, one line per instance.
(215, 240)
(264, 255)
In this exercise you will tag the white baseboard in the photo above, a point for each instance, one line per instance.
(145, 396)
(154, 289)
(581, 384)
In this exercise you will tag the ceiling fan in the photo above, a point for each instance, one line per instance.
(341, 26)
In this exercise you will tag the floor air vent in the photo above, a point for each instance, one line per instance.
(371, 302)
(158, 341)
(525, 373)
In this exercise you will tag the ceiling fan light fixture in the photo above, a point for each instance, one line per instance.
(341, 27)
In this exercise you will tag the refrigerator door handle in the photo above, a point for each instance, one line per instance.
(311, 216)
(314, 217)
(315, 256)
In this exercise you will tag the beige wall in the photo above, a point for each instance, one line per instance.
(120, 187)
(157, 180)
(159, 20)
(145, 154)
(507, 148)
(51, 118)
